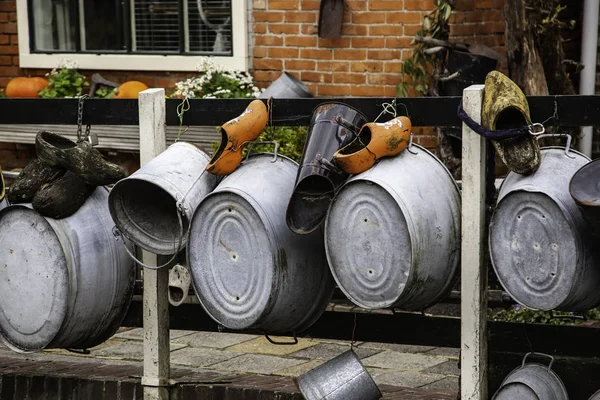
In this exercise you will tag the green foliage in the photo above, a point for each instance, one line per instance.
(64, 82)
(519, 313)
(416, 70)
(2, 93)
(105, 92)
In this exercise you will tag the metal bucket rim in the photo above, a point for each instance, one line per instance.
(542, 367)
(191, 145)
(577, 201)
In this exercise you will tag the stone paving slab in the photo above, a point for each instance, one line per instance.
(213, 339)
(261, 345)
(403, 378)
(127, 350)
(257, 364)
(402, 348)
(138, 334)
(300, 369)
(402, 361)
(327, 351)
(444, 351)
(448, 383)
(446, 368)
(200, 357)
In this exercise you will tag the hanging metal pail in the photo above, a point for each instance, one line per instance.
(287, 86)
(392, 235)
(540, 247)
(333, 126)
(585, 190)
(595, 396)
(341, 378)
(532, 381)
(248, 269)
(145, 205)
(65, 283)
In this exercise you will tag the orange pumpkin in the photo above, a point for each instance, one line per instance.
(25, 87)
(130, 90)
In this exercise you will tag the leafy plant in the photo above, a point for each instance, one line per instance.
(519, 313)
(105, 92)
(64, 81)
(416, 71)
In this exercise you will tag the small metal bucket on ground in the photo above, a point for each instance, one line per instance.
(287, 86)
(585, 190)
(532, 381)
(248, 269)
(65, 283)
(154, 206)
(392, 234)
(541, 249)
(341, 378)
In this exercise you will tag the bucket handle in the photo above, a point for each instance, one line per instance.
(410, 145)
(292, 343)
(273, 142)
(117, 233)
(539, 354)
(569, 138)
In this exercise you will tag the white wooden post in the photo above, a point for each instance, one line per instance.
(152, 107)
(474, 357)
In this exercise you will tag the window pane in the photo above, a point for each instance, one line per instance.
(104, 27)
(210, 26)
(54, 25)
(156, 25)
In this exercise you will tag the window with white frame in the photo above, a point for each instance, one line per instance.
(132, 34)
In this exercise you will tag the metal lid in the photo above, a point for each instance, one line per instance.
(231, 259)
(368, 244)
(514, 391)
(534, 249)
(34, 279)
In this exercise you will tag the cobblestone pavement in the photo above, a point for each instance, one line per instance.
(401, 371)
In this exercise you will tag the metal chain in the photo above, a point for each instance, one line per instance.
(82, 99)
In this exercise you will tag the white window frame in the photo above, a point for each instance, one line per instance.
(136, 62)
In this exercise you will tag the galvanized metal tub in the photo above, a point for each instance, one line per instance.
(341, 378)
(145, 205)
(65, 283)
(248, 269)
(585, 190)
(595, 396)
(287, 86)
(532, 381)
(540, 247)
(392, 235)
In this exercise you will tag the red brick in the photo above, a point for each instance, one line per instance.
(384, 55)
(267, 16)
(14, 39)
(350, 54)
(298, 16)
(354, 30)
(259, 52)
(268, 40)
(310, 4)
(385, 5)
(349, 78)
(9, 71)
(265, 76)
(403, 18)
(8, 27)
(8, 6)
(334, 66)
(316, 77)
(424, 5)
(367, 66)
(339, 43)
(493, 15)
(284, 5)
(368, 42)
(15, 61)
(4, 39)
(316, 54)
(12, 17)
(333, 90)
(3, 17)
(368, 18)
(355, 5)
(166, 82)
(260, 28)
(390, 91)
(367, 90)
(393, 66)
(267, 63)
(385, 30)
(397, 42)
(483, 4)
(385, 79)
(283, 28)
(283, 52)
(410, 30)
(9, 49)
(474, 16)
(308, 29)
(429, 142)
(306, 65)
(301, 41)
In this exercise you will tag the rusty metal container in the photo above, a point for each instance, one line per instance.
(392, 234)
(541, 248)
(248, 269)
(65, 283)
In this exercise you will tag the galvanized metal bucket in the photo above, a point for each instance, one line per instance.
(585, 190)
(392, 235)
(541, 249)
(595, 396)
(153, 207)
(65, 283)
(532, 381)
(341, 378)
(248, 269)
(3, 203)
(287, 86)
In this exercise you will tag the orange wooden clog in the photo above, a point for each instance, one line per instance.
(374, 141)
(235, 135)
